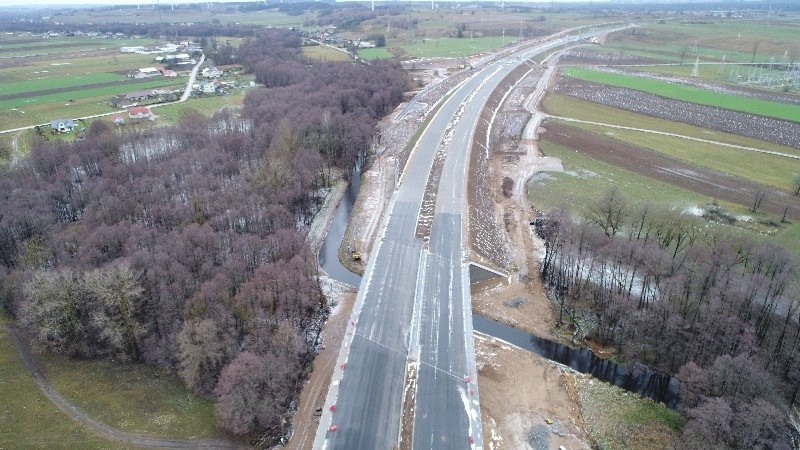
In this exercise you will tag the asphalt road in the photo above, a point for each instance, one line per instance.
(413, 305)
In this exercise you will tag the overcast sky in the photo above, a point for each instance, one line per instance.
(167, 2)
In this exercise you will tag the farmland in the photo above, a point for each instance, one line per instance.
(629, 117)
(773, 170)
(59, 82)
(689, 94)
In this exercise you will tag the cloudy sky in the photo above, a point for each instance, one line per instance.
(167, 2)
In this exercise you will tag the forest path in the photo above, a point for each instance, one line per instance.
(98, 428)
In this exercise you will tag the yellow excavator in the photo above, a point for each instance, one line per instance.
(355, 255)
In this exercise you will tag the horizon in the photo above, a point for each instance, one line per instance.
(92, 3)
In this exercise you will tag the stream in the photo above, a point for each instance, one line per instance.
(636, 378)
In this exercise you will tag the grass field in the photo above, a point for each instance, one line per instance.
(739, 40)
(767, 169)
(132, 397)
(325, 53)
(83, 92)
(27, 418)
(617, 420)
(53, 68)
(566, 106)
(45, 83)
(208, 105)
(375, 53)
(585, 179)
(185, 14)
(454, 47)
(689, 94)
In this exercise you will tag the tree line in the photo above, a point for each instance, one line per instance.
(184, 246)
(675, 292)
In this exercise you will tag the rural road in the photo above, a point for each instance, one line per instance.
(408, 346)
(98, 428)
(186, 93)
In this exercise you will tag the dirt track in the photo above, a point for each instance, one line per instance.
(96, 427)
(663, 168)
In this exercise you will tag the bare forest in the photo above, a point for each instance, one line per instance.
(184, 247)
(667, 290)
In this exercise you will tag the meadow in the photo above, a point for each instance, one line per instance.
(27, 418)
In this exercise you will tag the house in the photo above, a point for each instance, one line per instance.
(170, 73)
(118, 119)
(62, 125)
(208, 87)
(211, 72)
(140, 113)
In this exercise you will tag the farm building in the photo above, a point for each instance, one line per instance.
(170, 73)
(140, 113)
(137, 49)
(177, 57)
(140, 96)
(145, 72)
(62, 125)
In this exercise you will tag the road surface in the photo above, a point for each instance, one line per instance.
(413, 307)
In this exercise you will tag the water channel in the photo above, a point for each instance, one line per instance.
(631, 377)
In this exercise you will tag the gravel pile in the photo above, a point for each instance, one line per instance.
(539, 437)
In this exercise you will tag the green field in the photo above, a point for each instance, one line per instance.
(771, 170)
(113, 62)
(616, 419)
(133, 397)
(208, 105)
(325, 53)
(42, 83)
(689, 94)
(739, 40)
(566, 106)
(27, 418)
(762, 168)
(585, 179)
(375, 53)
(184, 14)
(89, 92)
